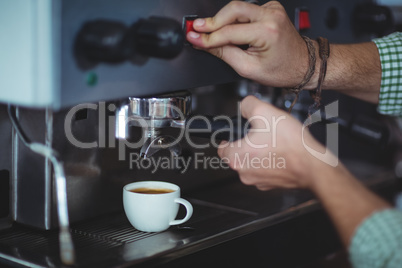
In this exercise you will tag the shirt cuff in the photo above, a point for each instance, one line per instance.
(390, 50)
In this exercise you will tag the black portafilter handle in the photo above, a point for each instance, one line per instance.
(370, 18)
(217, 127)
(235, 128)
(364, 128)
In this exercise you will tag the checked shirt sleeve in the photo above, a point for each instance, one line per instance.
(390, 98)
(377, 242)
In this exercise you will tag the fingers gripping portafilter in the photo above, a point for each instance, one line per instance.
(172, 110)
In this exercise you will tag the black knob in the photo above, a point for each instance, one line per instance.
(372, 19)
(104, 41)
(113, 42)
(158, 37)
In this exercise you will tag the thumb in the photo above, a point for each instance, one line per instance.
(255, 111)
(259, 113)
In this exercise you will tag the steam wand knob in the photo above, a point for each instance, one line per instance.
(158, 37)
(113, 42)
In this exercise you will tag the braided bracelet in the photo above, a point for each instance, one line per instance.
(324, 55)
(310, 70)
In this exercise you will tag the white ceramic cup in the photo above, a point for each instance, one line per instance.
(154, 212)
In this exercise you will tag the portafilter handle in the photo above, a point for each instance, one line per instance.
(217, 127)
(173, 110)
(214, 128)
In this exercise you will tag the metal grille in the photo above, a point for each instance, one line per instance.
(28, 240)
(115, 230)
(92, 236)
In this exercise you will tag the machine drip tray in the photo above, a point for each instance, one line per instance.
(222, 214)
(111, 241)
(90, 237)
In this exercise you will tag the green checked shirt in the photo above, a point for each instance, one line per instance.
(377, 242)
(390, 49)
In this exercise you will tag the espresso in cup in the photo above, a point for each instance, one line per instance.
(145, 190)
(152, 206)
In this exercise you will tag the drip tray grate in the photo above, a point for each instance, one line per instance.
(95, 236)
(116, 230)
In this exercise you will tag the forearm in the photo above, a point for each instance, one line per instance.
(346, 200)
(354, 70)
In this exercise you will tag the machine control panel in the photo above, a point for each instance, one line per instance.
(62, 53)
(112, 41)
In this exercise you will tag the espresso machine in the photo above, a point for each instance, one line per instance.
(92, 92)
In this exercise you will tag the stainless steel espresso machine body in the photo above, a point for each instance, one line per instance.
(73, 74)
(56, 70)
(51, 42)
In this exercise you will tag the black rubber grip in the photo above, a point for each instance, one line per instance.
(217, 127)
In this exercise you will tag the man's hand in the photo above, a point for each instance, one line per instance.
(273, 154)
(275, 134)
(276, 56)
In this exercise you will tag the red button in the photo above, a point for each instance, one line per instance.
(304, 20)
(189, 26)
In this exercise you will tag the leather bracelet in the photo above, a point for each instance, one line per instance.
(310, 70)
(324, 55)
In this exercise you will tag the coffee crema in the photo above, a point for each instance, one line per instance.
(146, 190)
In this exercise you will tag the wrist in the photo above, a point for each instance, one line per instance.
(325, 177)
(312, 84)
(323, 171)
(309, 69)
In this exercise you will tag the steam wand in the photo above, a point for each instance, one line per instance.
(67, 252)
